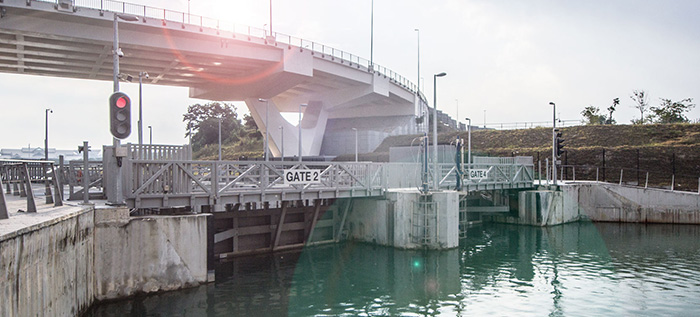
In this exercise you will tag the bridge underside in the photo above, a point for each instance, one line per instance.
(40, 38)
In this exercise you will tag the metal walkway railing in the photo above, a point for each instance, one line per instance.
(17, 177)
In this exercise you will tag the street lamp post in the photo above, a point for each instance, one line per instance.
(282, 140)
(46, 140)
(355, 129)
(267, 110)
(300, 106)
(435, 138)
(141, 76)
(219, 138)
(469, 142)
(418, 35)
(371, 42)
(150, 135)
(554, 150)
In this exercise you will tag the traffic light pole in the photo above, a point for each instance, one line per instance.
(554, 143)
(117, 198)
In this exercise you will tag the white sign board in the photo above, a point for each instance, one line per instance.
(478, 174)
(302, 177)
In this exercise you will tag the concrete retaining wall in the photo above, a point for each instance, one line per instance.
(47, 270)
(608, 202)
(604, 202)
(60, 267)
(148, 254)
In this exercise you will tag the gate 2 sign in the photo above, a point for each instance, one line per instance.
(478, 174)
(302, 177)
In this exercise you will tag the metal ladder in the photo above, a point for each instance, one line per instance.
(424, 221)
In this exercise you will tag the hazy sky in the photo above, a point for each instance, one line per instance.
(510, 58)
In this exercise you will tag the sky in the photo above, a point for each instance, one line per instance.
(505, 61)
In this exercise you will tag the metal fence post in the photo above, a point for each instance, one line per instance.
(58, 200)
(673, 181)
(86, 174)
(597, 169)
(573, 168)
(621, 170)
(3, 204)
(31, 204)
(47, 185)
(646, 183)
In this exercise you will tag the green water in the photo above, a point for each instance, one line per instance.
(580, 269)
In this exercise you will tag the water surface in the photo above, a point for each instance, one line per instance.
(580, 269)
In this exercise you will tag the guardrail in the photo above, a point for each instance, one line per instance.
(626, 176)
(237, 30)
(191, 183)
(164, 183)
(17, 177)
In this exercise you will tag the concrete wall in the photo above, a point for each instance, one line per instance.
(543, 208)
(47, 270)
(609, 202)
(60, 267)
(390, 221)
(148, 254)
(604, 202)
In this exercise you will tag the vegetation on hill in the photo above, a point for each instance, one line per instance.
(239, 138)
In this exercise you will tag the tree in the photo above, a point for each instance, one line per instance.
(204, 120)
(611, 109)
(672, 111)
(640, 99)
(592, 116)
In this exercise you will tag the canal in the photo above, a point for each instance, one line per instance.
(579, 269)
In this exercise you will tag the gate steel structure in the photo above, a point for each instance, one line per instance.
(173, 183)
(172, 179)
(502, 173)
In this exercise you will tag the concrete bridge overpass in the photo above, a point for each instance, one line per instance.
(217, 61)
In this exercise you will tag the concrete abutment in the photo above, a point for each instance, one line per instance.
(64, 265)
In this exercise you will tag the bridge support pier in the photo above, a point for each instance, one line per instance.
(542, 208)
(407, 219)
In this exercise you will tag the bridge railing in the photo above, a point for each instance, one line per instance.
(241, 31)
(218, 178)
(502, 171)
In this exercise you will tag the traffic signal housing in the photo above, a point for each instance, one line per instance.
(120, 115)
(559, 143)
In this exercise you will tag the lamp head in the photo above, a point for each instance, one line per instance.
(551, 103)
(441, 74)
(262, 100)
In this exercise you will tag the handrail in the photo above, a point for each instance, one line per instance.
(234, 29)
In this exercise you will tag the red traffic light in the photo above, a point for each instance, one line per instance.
(121, 102)
(120, 115)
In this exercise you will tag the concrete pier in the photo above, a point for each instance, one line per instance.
(406, 219)
(59, 261)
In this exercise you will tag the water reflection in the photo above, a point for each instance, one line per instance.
(575, 269)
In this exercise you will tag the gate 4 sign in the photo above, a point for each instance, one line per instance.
(302, 177)
(478, 174)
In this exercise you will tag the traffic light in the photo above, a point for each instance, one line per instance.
(559, 143)
(120, 115)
